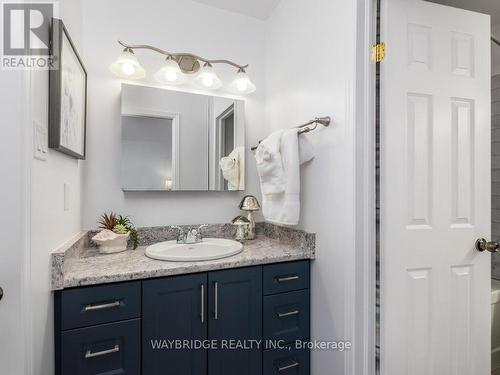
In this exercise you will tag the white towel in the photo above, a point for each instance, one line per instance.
(284, 207)
(232, 167)
(270, 164)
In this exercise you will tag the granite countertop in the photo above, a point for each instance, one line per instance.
(78, 262)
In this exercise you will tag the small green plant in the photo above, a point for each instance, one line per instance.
(120, 229)
(134, 236)
(119, 224)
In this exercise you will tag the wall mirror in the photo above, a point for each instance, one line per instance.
(178, 141)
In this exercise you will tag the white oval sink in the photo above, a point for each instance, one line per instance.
(208, 249)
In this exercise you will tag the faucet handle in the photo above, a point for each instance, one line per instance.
(199, 232)
(181, 234)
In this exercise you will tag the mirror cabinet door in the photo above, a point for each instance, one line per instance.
(177, 141)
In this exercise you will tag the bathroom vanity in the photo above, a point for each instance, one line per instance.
(128, 314)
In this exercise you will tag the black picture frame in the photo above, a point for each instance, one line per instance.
(58, 34)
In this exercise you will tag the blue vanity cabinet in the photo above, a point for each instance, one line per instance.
(235, 319)
(142, 327)
(174, 310)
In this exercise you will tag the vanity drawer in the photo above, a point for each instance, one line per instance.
(286, 316)
(285, 277)
(112, 348)
(287, 361)
(88, 306)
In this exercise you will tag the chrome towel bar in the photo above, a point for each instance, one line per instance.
(305, 128)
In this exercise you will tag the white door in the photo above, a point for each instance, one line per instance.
(435, 190)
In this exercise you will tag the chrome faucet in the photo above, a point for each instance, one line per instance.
(190, 235)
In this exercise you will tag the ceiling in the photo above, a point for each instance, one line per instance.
(260, 9)
(491, 7)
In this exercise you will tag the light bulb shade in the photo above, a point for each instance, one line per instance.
(242, 84)
(170, 73)
(207, 78)
(127, 66)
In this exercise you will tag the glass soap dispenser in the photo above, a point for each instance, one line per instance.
(242, 225)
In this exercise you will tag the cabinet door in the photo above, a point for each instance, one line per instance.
(173, 310)
(236, 315)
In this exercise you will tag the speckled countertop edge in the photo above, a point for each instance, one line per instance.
(78, 263)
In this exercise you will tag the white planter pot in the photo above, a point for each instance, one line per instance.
(110, 242)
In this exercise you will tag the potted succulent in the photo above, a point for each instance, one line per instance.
(116, 230)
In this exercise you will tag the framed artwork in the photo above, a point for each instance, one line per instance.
(67, 95)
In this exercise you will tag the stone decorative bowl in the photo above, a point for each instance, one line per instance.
(110, 242)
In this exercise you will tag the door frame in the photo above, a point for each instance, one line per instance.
(175, 118)
(361, 284)
(219, 121)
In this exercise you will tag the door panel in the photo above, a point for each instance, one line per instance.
(174, 308)
(236, 314)
(435, 190)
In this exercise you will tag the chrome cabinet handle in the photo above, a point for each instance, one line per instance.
(102, 306)
(202, 292)
(291, 365)
(89, 354)
(289, 278)
(289, 313)
(216, 307)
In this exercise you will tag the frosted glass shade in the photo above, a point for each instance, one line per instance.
(207, 78)
(170, 73)
(242, 84)
(127, 66)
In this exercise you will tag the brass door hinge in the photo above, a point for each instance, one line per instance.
(378, 52)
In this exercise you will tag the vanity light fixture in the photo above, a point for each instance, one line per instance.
(127, 66)
(178, 67)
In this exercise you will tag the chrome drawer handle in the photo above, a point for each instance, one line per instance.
(89, 354)
(216, 312)
(293, 312)
(202, 297)
(291, 365)
(102, 306)
(289, 278)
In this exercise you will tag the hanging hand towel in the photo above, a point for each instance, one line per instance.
(232, 167)
(270, 164)
(284, 208)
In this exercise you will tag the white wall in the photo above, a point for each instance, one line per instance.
(309, 71)
(176, 26)
(51, 225)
